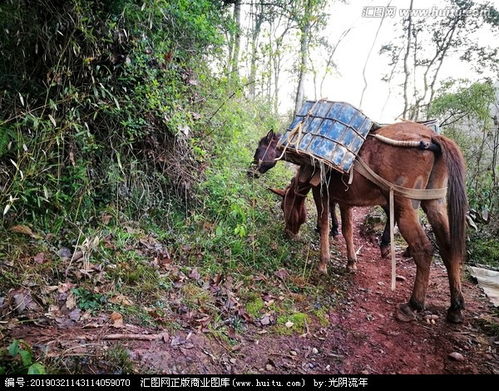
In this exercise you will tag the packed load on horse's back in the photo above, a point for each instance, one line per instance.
(347, 158)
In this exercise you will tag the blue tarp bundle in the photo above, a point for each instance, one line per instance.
(332, 132)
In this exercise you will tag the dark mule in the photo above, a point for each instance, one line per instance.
(408, 167)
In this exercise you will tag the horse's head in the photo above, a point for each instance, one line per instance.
(265, 154)
(293, 205)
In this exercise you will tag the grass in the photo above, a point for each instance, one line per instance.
(322, 314)
(118, 358)
(151, 290)
(197, 298)
(484, 251)
(255, 306)
(295, 323)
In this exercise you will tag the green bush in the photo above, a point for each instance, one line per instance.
(96, 99)
(484, 250)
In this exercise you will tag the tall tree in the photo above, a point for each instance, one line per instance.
(406, 60)
(302, 67)
(258, 18)
(469, 113)
(236, 44)
(309, 15)
(270, 25)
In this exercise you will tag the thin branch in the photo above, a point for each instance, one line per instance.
(330, 58)
(229, 98)
(446, 122)
(369, 55)
(140, 337)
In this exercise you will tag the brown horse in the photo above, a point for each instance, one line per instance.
(441, 166)
(293, 206)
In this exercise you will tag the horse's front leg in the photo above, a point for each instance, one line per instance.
(324, 232)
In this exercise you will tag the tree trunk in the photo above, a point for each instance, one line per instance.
(254, 50)
(302, 68)
(268, 89)
(276, 93)
(479, 155)
(406, 58)
(277, 72)
(495, 147)
(237, 41)
(314, 77)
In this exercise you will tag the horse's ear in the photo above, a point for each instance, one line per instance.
(270, 135)
(279, 192)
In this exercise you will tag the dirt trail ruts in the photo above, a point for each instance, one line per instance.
(363, 337)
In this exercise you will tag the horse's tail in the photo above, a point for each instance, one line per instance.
(457, 203)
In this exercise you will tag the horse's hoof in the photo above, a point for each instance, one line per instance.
(455, 316)
(323, 269)
(385, 250)
(351, 267)
(405, 313)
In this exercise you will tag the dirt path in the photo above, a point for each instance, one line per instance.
(378, 343)
(363, 336)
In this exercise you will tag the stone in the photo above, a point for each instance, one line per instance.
(456, 356)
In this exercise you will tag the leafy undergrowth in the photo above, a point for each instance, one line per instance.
(18, 358)
(484, 251)
(220, 269)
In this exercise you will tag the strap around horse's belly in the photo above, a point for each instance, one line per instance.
(416, 194)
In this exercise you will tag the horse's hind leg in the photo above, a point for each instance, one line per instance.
(421, 251)
(384, 244)
(437, 215)
(347, 231)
